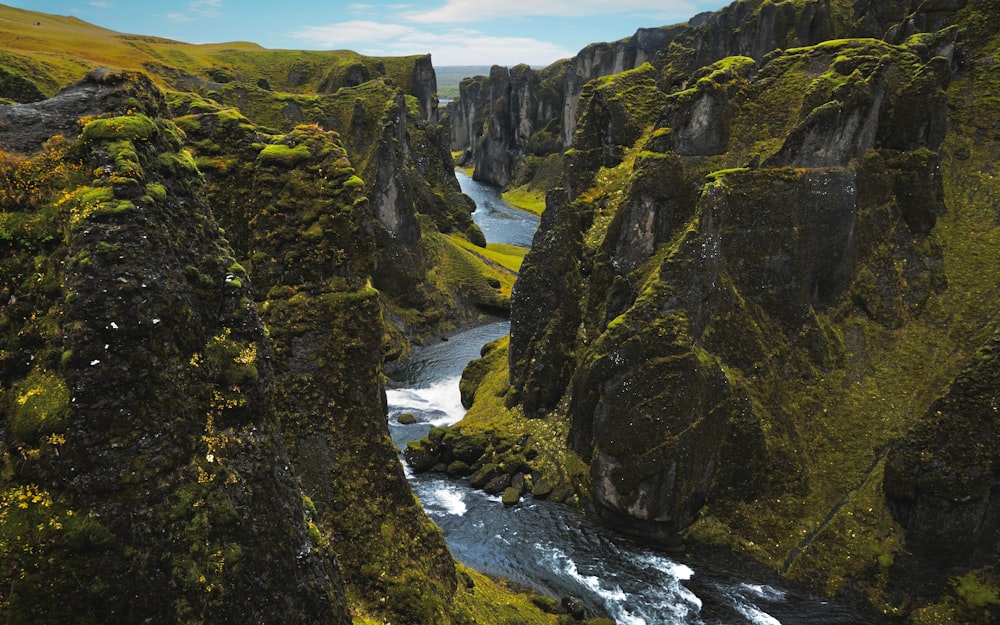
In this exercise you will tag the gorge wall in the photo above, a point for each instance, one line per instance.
(756, 286)
(503, 120)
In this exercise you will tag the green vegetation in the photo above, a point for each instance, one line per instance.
(556, 472)
(44, 544)
(40, 407)
(294, 154)
(525, 197)
(283, 155)
(502, 254)
(46, 52)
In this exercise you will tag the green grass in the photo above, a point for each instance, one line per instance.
(52, 51)
(502, 254)
(526, 198)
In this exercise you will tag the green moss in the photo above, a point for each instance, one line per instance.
(282, 155)
(179, 165)
(229, 361)
(354, 182)
(136, 127)
(489, 414)
(483, 600)
(46, 545)
(156, 192)
(722, 173)
(39, 406)
(978, 594)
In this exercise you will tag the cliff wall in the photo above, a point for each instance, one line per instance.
(498, 132)
(145, 477)
(738, 298)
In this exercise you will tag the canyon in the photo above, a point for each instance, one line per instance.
(758, 316)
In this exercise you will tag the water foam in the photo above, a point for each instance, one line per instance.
(754, 614)
(445, 500)
(677, 570)
(441, 398)
(676, 604)
(764, 592)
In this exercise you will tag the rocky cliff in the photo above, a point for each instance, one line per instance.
(503, 120)
(758, 275)
(145, 477)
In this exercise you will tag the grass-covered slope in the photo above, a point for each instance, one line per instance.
(41, 53)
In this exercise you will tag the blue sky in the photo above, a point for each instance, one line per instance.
(455, 32)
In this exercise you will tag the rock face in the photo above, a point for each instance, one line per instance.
(942, 480)
(604, 59)
(312, 246)
(409, 180)
(747, 261)
(145, 476)
(503, 120)
(500, 120)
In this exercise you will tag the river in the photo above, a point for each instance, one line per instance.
(551, 547)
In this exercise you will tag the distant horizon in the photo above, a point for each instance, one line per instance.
(454, 32)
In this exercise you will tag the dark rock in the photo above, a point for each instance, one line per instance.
(511, 495)
(470, 448)
(574, 607)
(941, 481)
(517, 481)
(497, 485)
(458, 469)
(406, 418)
(485, 474)
(421, 455)
(541, 488)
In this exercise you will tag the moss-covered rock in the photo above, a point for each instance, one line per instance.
(142, 445)
(939, 478)
(734, 311)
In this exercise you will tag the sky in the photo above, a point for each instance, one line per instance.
(454, 32)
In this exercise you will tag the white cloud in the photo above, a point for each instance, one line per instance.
(354, 33)
(197, 9)
(101, 4)
(457, 11)
(210, 8)
(450, 47)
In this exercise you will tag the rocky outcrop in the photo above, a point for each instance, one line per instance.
(503, 119)
(605, 59)
(943, 478)
(409, 180)
(713, 262)
(312, 248)
(146, 478)
(193, 457)
(750, 29)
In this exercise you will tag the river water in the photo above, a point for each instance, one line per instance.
(550, 547)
